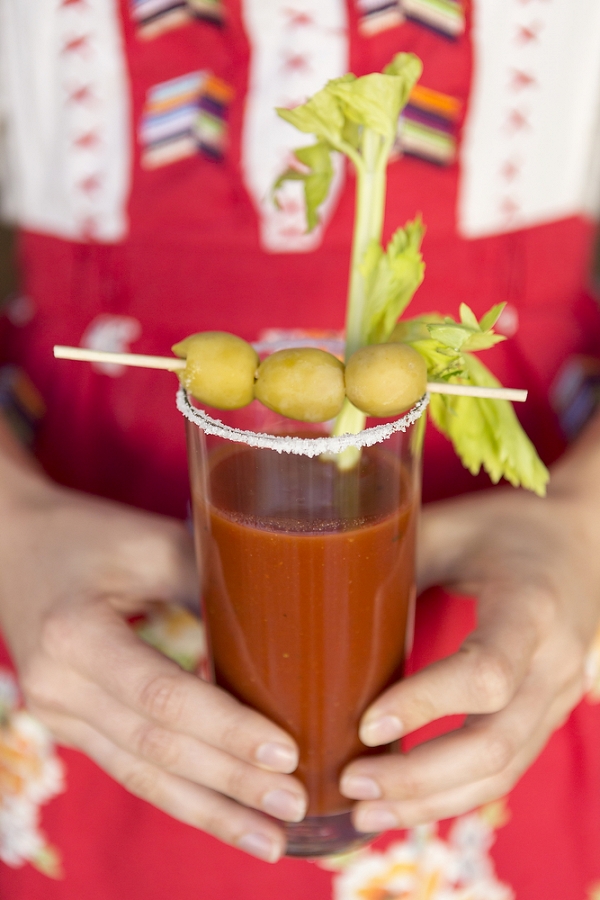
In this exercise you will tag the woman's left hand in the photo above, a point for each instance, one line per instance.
(534, 567)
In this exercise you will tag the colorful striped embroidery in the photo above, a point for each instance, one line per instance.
(153, 17)
(445, 16)
(184, 116)
(378, 15)
(211, 10)
(210, 125)
(427, 126)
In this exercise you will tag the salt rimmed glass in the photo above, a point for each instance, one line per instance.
(307, 582)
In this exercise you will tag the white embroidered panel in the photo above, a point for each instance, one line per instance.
(530, 136)
(66, 100)
(297, 45)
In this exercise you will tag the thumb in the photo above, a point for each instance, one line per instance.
(482, 677)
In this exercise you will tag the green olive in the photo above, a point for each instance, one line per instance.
(385, 379)
(301, 383)
(220, 368)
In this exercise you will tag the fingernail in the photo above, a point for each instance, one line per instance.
(381, 731)
(360, 787)
(278, 757)
(376, 820)
(284, 805)
(261, 846)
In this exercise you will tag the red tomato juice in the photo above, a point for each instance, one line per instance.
(307, 595)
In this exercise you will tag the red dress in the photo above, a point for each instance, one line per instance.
(192, 258)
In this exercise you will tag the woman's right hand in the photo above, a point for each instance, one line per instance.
(73, 568)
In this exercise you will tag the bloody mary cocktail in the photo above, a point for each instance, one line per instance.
(308, 574)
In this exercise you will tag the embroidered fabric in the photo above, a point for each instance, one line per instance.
(67, 108)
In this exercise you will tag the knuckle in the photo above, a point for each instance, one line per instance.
(504, 784)
(498, 753)
(33, 685)
(212, 821)
(573, 668)
(543, 609)
(161, 698)
(422, 814)
(161, 550)
(409, 786)
(236, 782)
(499, 785)
(156, 745)
(491, 681)
(36, 687)
(56, 633)
(422, 708)
(234, 736)
(140, 780)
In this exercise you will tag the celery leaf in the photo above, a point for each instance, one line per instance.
(391, 279)
(321, 115)
(408, 68)
(469, 334)
(374, 101)
(317, 176)
(486, 433)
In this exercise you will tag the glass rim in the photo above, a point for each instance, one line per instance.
(297, 445)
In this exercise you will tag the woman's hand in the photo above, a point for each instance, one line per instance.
(72, 569)
(534, 567)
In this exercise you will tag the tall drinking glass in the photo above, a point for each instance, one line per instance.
(307, 583)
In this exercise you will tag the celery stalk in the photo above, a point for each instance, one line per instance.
(358, 117)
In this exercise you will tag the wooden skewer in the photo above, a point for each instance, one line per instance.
(173, 364)
(170, 363)
(474, 390)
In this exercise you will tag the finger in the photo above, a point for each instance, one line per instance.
(152, 555)
(278, 795)
(369, 816)
(485, 746)
(97, 643)
(481, 678)
(445, 533)
(165, 566)
(197, 806)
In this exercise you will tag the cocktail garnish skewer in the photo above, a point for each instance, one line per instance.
(174, 364)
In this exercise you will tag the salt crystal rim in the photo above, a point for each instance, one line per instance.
(296, 445)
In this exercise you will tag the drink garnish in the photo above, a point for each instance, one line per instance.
(358, 117)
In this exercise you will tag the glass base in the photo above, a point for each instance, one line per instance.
(324, 836)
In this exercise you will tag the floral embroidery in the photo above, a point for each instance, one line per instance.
(425, 866)
(30, 775)
(175, 632)
(592, 671)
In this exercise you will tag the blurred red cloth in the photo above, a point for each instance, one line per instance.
(192, 262)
